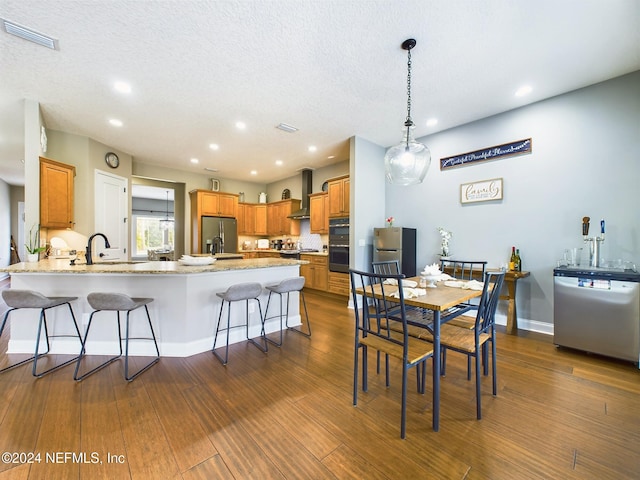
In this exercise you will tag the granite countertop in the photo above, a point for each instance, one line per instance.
(150, 267)
(271, 250)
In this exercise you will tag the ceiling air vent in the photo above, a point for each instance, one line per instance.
(28, 34)
(287, 128)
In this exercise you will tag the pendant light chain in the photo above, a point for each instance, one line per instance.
(409, 121)
(407, 162)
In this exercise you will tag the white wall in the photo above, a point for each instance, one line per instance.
(367, 199)
(5, 226)
(584, 163)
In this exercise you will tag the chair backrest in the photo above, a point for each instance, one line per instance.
(387, 267)
(377, 312)
(485, 318)
(464, 269)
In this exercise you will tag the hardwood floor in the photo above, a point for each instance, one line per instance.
(288, 414)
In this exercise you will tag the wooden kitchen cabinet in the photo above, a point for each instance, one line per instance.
(246, 218)
(338, 190)
(339, 283)
(260, 223)
(217, 204)
(315, 272)
(208, 203)
(278, 222)
(56, 194)
(319, 212)
(252, 219)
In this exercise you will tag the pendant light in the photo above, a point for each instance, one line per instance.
(407, 163)
(166, 223)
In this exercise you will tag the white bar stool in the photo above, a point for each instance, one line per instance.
(118, 302)
(17, 299)
(288, 285)
(238, 292)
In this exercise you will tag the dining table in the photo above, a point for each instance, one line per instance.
(446, 303)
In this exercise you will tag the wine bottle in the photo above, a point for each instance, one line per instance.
(512, 260)
(518, 264)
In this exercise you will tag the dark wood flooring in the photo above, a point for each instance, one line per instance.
(558, 414)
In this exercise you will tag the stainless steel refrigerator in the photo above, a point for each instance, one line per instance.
(396, 243)
(219, 235)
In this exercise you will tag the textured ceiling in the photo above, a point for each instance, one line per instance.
(332, 68)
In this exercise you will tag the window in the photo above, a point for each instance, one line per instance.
(149, 235)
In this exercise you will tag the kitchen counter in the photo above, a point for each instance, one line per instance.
(184, 311)
(320, 253)
(151, 267)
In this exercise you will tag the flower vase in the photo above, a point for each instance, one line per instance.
(32, 257)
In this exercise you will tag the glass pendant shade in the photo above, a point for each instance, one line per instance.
(407, 163)
(165, 224)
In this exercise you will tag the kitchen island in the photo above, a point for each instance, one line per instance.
(184, 311)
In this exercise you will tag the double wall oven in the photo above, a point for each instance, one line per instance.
(339, 245)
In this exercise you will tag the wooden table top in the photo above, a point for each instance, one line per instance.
(438, 299)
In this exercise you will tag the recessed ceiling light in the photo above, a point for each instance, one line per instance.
(214, 146)
(122, 87)
(209, 169)
(313, 148)
(195, 160)
(241, 125)
(279, 162)
(331, 156)
(524, 90)
(115, 122)
(254, 172)
(432, 122)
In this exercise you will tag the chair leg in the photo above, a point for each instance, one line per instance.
(478, 397)
(83, 349)
(365, 355)
(265, 346)
(386, 369)
(127, 376)
(443, 362)
(277, 344)
(306, 314)
(355, 372)
(493, 367)
(403, 415)
(213, 349)
(43, 321)
(22, 362)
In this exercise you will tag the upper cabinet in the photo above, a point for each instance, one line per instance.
(56, 194)
(278, 222)
(339, 197)
(252, 219)
(319, 212)
(216, 204)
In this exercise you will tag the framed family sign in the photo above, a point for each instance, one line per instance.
(482, 191)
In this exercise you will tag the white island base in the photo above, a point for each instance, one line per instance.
(184, 312)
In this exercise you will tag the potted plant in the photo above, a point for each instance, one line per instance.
(33, 247)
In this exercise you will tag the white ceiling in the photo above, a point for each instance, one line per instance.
(332, 68)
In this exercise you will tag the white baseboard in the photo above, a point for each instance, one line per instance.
(526, 324)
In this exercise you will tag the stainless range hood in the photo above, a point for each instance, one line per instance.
(307, 186)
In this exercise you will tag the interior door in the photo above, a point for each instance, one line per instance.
(111, 213)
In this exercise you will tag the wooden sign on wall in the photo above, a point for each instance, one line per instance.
(483, 191)
(490, 153)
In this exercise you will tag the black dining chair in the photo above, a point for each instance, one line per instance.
(473, 342)
(372, 330)
(464, 270)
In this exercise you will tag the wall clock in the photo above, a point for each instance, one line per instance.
(112, 160)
